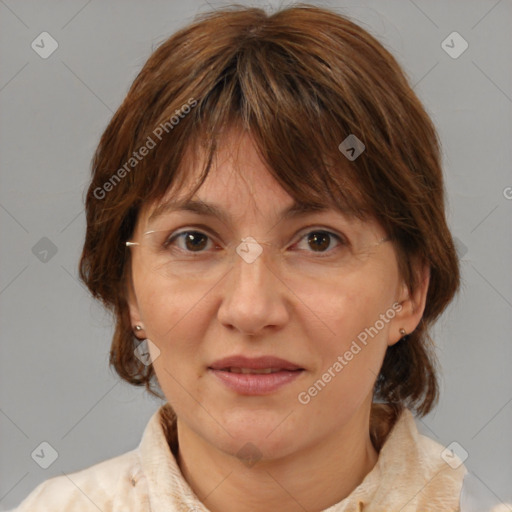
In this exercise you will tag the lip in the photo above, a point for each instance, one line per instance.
(255, 363)
(255, 384)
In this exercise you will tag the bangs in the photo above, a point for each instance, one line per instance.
(290, 117)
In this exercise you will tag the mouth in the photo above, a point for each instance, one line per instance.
(240, 363)
(256, 371)
(255, 381)
(254, 375)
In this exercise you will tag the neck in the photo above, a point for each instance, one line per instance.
(312, 478)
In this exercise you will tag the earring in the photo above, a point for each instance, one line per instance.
(138, 328)
(403, 332)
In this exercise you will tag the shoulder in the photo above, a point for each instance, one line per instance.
(116, 483)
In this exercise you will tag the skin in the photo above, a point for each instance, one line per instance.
(313, 455)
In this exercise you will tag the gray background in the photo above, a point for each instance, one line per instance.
(55, 382)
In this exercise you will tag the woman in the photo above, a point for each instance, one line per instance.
(266, 220)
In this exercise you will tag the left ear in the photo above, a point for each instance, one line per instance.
(410, 307)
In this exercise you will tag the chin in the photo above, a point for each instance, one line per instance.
(270, 432)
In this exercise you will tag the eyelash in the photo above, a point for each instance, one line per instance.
(341, 240)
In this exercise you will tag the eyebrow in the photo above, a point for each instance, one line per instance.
(296, 209)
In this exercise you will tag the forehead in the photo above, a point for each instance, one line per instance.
(238, 180)
(238, 183)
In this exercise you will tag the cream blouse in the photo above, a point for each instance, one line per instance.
(410, 475)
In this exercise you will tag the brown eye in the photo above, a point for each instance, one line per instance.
(190, 241)
(195, 241)
(319, 240)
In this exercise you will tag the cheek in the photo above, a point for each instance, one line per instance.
(176, 321)
(350, 352)
(355, 313)
(166, 306)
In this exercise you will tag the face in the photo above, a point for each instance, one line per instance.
(324, 294)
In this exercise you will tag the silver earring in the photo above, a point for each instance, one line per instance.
(138, 328)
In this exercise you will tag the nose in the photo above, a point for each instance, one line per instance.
(254, 299)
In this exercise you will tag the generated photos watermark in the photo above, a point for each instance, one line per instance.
(149, 144)
(304, 397)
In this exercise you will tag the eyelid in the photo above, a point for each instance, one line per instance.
(194, 227)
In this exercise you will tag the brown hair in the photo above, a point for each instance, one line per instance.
(300, 81)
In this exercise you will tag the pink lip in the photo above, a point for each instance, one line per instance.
(239, 361)
(256, 384)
